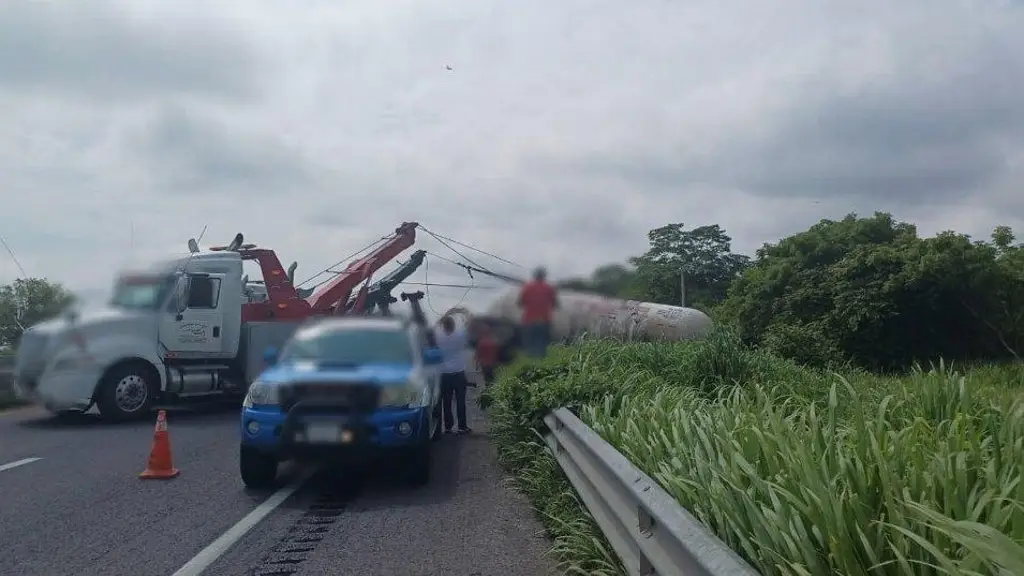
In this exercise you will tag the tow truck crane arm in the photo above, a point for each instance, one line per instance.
(379, 293)
(418, 316)
(335, 294)
(283, 303)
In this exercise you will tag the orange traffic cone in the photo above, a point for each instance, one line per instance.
(159, 466)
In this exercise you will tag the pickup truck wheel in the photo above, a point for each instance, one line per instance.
(127, 392)
(436, 434)
(258, 470)
(418, 465)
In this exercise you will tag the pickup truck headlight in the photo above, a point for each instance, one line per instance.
(412, 394)
(261, 394)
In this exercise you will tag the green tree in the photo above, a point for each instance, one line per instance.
(873, 292)
(27, 301)
(704, 254)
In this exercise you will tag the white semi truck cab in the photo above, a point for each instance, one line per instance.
(190, 327)
(169, 332)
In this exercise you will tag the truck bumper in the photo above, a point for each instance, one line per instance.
(371, 436)
(64, 390)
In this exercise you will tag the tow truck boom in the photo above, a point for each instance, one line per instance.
(379, 293)
(334, 296)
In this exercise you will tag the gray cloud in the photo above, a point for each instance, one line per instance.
(95, 50)
(553, 140)
(912, 138)
(188, 152)
(917, 133)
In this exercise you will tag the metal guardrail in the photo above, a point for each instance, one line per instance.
(651, 533)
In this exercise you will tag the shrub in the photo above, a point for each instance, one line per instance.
(806, 344)
(800, 471)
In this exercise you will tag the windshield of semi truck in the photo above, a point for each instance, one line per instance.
(349, 347)
(141, 292)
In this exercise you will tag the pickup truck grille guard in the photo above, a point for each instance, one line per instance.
(354, 402)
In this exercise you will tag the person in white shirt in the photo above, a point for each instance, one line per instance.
(453, 344)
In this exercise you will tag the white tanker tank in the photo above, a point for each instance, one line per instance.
(603, 317)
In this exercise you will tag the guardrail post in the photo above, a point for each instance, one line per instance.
(645, 522)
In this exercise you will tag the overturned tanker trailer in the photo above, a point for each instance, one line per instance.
(596, 316)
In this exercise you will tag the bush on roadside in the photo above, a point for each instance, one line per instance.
(799, 471)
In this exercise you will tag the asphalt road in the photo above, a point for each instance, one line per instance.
(80, 509)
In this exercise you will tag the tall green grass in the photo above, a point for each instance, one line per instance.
(801, 472)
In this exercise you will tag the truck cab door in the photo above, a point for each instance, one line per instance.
(194, 324)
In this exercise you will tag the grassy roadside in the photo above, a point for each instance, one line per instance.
(800, 471)
(8, 401)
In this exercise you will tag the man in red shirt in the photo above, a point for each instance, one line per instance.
(538, 301)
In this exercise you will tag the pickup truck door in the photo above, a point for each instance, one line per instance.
(195, 330)
(433, 373)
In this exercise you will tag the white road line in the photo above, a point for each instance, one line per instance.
(17, 463)
(215, 550)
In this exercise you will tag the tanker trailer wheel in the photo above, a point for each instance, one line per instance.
(127, 391)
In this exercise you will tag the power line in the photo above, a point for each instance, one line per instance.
(436, 285)
(449, 260)
(448, 246)
(13, 257)
(441, 238)
(340, 262)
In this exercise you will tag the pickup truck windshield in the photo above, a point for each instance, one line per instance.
(347, 347)
(141, 292)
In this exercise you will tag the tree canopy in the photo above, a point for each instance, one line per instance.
(27, 301)
(863, 290)
(702, 255)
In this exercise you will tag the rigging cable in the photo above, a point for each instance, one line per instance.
(328, 270)
(441, 238)
(474, 267)
(426, 288)
(427, 283)
(448, 246)
(436, 285)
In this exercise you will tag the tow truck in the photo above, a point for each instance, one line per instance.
(192, 327)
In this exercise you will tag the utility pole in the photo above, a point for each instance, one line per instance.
(682, 287)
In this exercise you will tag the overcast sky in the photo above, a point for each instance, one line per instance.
(561, 134)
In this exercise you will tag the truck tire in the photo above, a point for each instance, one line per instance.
(258, 469)
(127, 391)
(418, 465)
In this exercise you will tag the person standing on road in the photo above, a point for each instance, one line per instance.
(486, 353)
(538, 300)
(454, 345)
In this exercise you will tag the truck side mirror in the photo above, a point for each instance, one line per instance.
(270, 356)
(181, 296)
(433, 356)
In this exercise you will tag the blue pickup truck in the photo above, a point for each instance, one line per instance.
(349, 389)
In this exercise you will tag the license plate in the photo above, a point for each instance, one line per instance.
(328, 434)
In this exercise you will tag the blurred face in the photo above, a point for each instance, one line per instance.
(448, 325)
